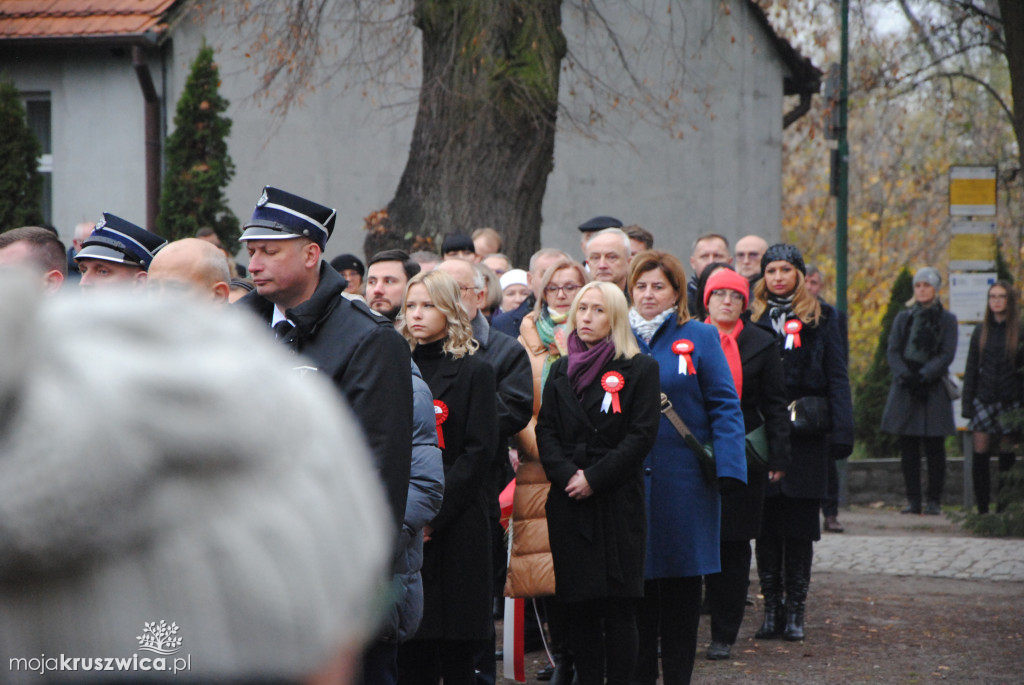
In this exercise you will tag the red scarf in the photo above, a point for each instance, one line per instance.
(732, 354)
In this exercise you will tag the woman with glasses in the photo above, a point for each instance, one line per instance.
(683, 505)
(817, 386)
(457, 578)
(993, 385)
(757, 372)
(544, 333)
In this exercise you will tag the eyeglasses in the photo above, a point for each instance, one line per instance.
(467, 288)
(744, 256)
(724, 294)
(568, 289)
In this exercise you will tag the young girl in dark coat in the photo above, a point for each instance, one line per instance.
(457, 578)
(814, 366)
(993, 385)
(597, 422)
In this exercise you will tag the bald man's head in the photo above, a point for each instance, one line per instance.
(749, 250)
(191, 265)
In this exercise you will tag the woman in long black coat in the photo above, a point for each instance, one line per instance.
(598, 420)
(814, 366)
(457, 577)
(761, 387)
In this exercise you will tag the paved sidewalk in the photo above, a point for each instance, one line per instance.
(882, 541)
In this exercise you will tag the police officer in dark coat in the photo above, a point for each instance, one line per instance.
(299, 295)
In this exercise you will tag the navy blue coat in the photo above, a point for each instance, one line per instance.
(683, 512)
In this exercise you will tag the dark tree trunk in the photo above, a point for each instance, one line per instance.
(1012, 12)
(484, 138)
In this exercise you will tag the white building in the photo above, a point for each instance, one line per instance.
(84, 74)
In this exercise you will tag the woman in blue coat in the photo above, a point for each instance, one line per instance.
(683, 510)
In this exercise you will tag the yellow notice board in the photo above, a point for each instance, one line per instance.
(972, 245)
(972, 191)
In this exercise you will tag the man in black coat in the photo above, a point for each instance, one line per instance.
(299, 295)
(514, 377)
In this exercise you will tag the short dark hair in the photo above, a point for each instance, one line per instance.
(47, 249)
(636, 232)
(411, 268)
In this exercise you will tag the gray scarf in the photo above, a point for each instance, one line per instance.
(647, 328)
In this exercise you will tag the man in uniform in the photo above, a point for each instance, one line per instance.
(117, 253)
(299, 295)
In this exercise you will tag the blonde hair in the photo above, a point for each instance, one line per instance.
(806, 306)
(444, 293)
(617, 309)
(550, 273)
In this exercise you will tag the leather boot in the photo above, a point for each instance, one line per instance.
(768, 552)
(564, 670)
(799, 555)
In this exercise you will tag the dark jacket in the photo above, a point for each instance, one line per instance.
(508, 322)
(988, 375)
(368, 361)
(763, 401)
(598, 542)
(932, 414)
(816, 368)
(457, 579)
(514, 379)
(426, 491)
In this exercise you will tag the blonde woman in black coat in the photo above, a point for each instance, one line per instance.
(598, 420)
(457, 577)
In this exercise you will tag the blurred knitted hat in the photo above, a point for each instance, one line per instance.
(727, 279)
(148, 506)
(928, 274)
(781, 252)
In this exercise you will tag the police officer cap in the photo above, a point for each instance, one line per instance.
(117, 240)
(279, 216)
(599, 223)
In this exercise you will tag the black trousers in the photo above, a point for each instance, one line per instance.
(603, 638)
(935, 454)
(982, 475)
(830, 503)
(727, 591)
(428, 662)
(670, 610)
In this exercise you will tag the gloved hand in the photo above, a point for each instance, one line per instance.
(839, 451)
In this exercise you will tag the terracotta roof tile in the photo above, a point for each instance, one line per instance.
(82, 19)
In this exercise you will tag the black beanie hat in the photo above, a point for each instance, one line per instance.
(781, 252)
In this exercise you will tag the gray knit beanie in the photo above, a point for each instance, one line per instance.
(171, 488)
(930, 275)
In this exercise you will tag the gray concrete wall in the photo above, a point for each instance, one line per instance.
(97, 128)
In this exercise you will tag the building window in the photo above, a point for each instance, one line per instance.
(37, 105)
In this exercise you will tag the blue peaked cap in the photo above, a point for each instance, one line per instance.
(280, 215)
(120, 241)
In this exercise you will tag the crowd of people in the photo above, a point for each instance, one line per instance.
(650, 420)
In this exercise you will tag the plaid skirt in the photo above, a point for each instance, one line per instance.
(988, 417)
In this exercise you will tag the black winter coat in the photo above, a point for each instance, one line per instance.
(816, 368)
(763, 401)
(457, 575)
(598, 543)
(368, 361)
